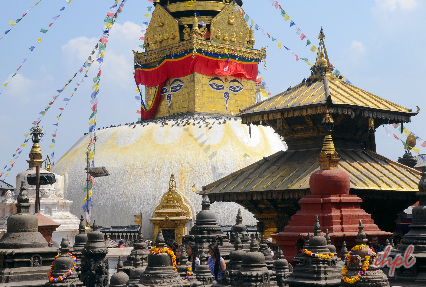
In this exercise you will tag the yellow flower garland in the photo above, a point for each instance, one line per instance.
(317, 255)
(169, 251)
(352, 280)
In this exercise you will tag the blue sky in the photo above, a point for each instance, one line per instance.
(378, 45)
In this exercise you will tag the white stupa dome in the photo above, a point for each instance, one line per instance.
(197, 149)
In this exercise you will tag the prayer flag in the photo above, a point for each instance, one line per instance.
(313, 48)
(415, 149)
(93, 114)
(423, 144)
(388, 132)
(396, 136)
(138, 98)
(273, 39)
(279, 45)
(66, 99)
(406, 132)
(43, 31)
(110, 14)
(51, 146)
(298, 31)
(7, 31)
(136, 90)
(256, 27)
(62, 9)
(54, 135)
(282, 13)
(149, 8)
(308, 42)
(286, 48)
(302, 36)
(25, 135)
(286, 17)
(12, 23)
(17, 20)
(56, 17)
(32, 48)
(276, 5)
(252, 23)
(246, 18)
(147, 15)
(4, 85)
(347, 81)
(39, 40)
(292, 23)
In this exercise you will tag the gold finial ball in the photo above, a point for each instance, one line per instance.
(411, 140)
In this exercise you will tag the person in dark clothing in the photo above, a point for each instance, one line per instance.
(374, 244)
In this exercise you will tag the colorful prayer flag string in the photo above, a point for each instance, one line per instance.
(302, 36)
(13, 23)
(31, 48)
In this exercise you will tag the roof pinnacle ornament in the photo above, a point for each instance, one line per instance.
(322, 65)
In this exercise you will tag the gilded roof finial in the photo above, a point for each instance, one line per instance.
(47, 163)
(328, 157)
(322, 65)
(172, 183)
(35, 153)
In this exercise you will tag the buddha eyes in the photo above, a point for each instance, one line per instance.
(235, 89)
(216, 86)
(176, 88)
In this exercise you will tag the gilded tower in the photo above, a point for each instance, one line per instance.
(198, 57)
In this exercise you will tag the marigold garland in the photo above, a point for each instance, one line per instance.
(317, 255)
(188, 271)
(364, 268)
(169, 251)
(62, 277)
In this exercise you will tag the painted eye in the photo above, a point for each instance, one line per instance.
(176, 88)
(235, 89)
(216, 86)
(164, 90)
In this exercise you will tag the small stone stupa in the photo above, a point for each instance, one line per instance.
(24, 253)
(140, 250)
(235, 261)
(207, 231)
(282, 269)
(240, 229)
(253, 271)
(120, 278)
(312, 270)
(371, 277)
(337, 210)
(94, 265)
(80, 241)
(159, 271)
(64, 273)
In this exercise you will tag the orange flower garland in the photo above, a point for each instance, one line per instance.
(188, 271)
(62, 277)
(364, 268)
(317, 255)
(169, 251)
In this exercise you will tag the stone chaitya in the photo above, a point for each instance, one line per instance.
(24, 253)
(360, 270)
(120, 278)
(281, 270)
(94, 265)
(317, 266)
(241, 230)
(416, 237)
(207, 231)
(159, 271)
(141, 251)
(253, 271)
(80, 241)
(230, 276)
(63, 272)
(264, 248)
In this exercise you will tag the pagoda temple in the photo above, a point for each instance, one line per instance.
(272, 187)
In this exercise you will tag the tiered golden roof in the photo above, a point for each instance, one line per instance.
(35, 153)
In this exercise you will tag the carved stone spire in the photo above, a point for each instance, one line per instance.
(344, 251)
(205, 204)
(317, 228)
(361, 237)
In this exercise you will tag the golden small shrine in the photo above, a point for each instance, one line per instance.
(172, 214)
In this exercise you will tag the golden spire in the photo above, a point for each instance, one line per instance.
(47, 163)
(328, 156)
(35, 153)
(322, 65)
